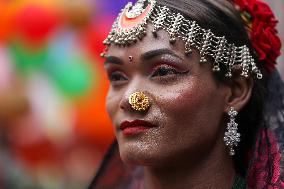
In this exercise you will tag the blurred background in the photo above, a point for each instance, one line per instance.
(54, 129)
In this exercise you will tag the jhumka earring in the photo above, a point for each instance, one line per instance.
(139, 101)
(232, 137)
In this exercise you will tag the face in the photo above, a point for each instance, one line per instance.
(187, 105)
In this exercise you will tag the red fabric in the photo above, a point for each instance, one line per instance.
(264, 171)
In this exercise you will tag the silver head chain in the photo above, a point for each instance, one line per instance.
(178, 27)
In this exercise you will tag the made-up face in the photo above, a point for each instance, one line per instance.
(186, 104)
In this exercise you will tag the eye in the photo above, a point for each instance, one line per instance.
(164, 71)
(116, 76)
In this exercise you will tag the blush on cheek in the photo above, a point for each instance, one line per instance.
(194, 106)
(183, 99)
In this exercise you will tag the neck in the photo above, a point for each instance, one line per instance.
(216, 170)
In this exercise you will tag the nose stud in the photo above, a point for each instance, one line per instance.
(139, 101)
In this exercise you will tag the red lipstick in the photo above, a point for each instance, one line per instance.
(135, 127)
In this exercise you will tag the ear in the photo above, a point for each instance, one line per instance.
(240, 90)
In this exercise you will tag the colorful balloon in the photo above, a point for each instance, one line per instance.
(68, 67)
(36, 23)
(27, 58)
(75, 78)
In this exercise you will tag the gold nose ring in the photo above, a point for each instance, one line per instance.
(139, 101)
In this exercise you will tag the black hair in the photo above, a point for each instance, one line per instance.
(221, 17)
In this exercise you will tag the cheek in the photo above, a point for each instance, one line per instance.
(112, 104)
(192, 110)
(183, 100)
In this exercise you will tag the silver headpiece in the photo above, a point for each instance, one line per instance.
(131, 25)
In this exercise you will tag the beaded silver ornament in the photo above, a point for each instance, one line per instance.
(135, 10)
(178, 27)
(126, 35)
(232, 137)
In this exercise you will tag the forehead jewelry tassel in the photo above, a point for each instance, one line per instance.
(131, 27)
(139, 101)
(232, 137)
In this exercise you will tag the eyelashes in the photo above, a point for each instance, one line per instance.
(161, 72)
(165, 70)
(117, 76)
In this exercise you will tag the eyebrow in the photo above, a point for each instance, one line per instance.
(144, 57)
(113, 60)
(158, 52)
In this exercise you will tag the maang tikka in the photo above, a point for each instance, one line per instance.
(232, 137)
(131, 26)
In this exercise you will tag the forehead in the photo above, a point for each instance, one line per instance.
(148, 43)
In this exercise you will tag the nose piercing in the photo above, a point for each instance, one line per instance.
(139, 101)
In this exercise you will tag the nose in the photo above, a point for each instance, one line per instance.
(136, 102)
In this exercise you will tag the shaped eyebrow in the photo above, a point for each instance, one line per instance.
(113, 60)
(144, 57)
(158, 52)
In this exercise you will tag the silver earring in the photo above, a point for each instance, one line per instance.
(232, 137)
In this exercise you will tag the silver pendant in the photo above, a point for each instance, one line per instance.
(133, 11)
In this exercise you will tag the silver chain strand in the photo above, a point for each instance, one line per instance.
(232, 137)
(188, 31)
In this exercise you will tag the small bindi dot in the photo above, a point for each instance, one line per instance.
(130, 59)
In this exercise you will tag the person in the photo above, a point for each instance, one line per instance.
(194, 97)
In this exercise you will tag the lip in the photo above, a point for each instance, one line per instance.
(129, 128)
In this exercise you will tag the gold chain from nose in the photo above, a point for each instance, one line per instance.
(139, 101)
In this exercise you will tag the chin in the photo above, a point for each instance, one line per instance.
(139, 153)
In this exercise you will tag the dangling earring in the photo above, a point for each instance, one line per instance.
(232, 137)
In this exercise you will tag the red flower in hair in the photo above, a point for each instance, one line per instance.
(261, 24)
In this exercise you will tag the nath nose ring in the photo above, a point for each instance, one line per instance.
(139, 101)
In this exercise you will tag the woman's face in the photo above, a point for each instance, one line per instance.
(187, 105)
